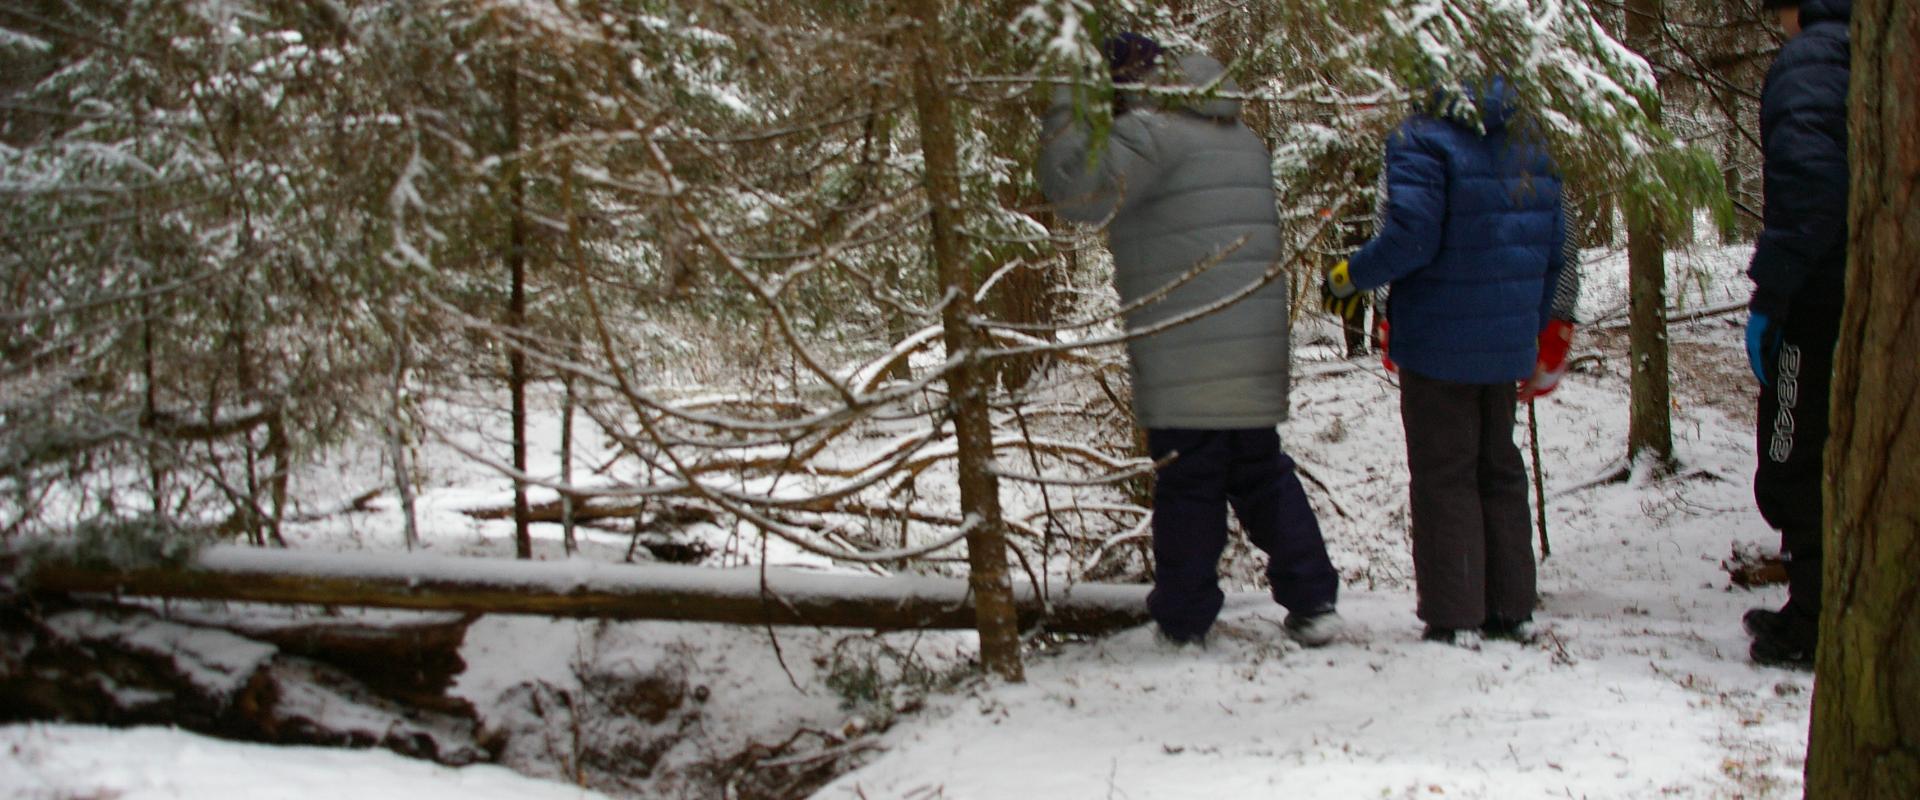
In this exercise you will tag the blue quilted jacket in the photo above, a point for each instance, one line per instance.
(1471, 240)
(1800, 260)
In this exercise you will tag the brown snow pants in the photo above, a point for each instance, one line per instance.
(1472, 539)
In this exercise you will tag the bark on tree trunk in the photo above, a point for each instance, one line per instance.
(1650, 425)
(1731, 232)
(1865, 742)
(250, 391)
(517, 307)
(397, 427)
(150, 409)
(967, 380)
(568, 528)
(1596, 219)
(277, 450)
(1028, 294)
(1025, 295)
(568, 398)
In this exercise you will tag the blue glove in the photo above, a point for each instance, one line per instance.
(1760, 339)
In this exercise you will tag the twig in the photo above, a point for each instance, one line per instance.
(1302, 470)
(1616, 472)
(1693, 315)
(1046, 504)
(766, 594)
(1539, 479)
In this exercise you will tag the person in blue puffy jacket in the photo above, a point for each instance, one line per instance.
(1799, 273)
(1472, 241)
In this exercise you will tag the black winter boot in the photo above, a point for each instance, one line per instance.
(1763, 622)
(1171, 642)
(1780, 639)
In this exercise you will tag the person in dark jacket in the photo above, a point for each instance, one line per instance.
(1186, 194)
(1472, 240)
(1799, 272)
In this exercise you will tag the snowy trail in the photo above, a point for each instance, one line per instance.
(1641, 687)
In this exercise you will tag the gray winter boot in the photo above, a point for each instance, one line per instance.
(1315, 629)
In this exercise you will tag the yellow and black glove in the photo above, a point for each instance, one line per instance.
(1339, 296)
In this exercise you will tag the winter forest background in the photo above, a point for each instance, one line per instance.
(320, 291)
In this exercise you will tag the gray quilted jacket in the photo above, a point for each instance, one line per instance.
(1180, 182)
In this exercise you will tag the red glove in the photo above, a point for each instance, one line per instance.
(1551, 364)
(1385, 357)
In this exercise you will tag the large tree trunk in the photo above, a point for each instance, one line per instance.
(1025, 295)
(1650, 425)
(1028, 294)
(1865, 743)
(967, 383)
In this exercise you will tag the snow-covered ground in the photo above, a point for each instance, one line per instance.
(1639, 688)
(79, 762)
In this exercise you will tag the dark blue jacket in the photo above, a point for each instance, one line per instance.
(1471, 239)
(1800, 261)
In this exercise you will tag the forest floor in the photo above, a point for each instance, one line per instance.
(1639, 686)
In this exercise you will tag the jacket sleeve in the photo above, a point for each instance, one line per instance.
(1805, 176)
(1413, 216)
(1562, 287)
(1087, 180)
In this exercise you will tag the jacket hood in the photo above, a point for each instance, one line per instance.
(1812, 11)
(1196, 71)
(1495, 100)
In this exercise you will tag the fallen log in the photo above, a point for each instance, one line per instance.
(411, 661)
(587, 510)
(127, 665)
(748, 596)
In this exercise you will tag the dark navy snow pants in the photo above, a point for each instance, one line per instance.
(1793, 442)
(1244, 469)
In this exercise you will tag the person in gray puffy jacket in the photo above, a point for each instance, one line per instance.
(1185, 192)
